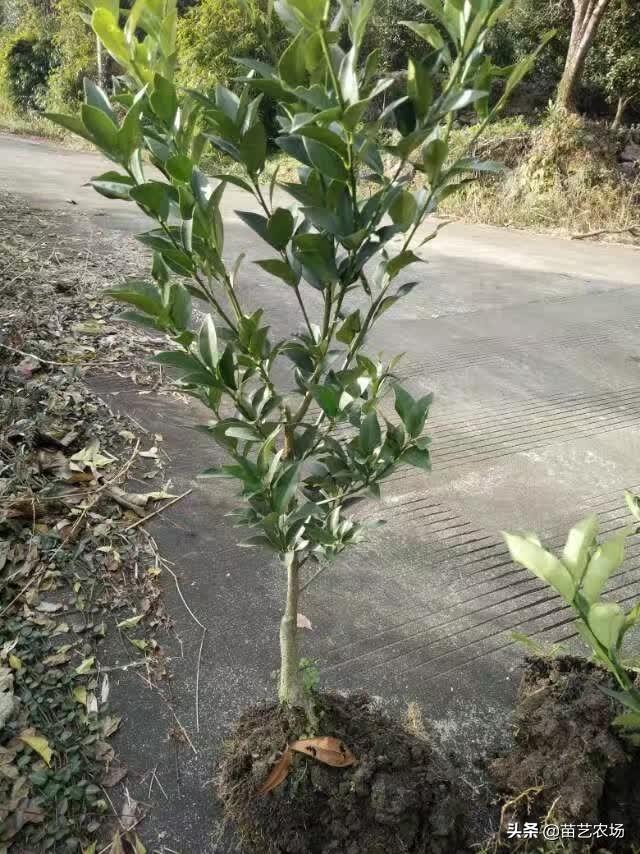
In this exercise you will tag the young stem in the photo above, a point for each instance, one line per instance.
(291, 691)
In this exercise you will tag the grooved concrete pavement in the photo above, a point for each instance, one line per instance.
(531, 346)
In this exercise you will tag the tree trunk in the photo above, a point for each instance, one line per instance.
(291, 689)
(586, 19)
(617, 120)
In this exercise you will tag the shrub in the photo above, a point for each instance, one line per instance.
(75, 45)
(29, 62)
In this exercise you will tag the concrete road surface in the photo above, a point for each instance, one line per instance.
(531, 345)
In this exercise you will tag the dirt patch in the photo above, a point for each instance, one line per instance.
(567, 756)
(398, 797)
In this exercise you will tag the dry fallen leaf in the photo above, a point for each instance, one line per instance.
(128, 817)
(326, 749)
(114, 775)
(151, 454)
(304, 622)
(37, 743)
(277, 774)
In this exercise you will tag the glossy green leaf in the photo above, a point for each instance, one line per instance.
(370, 436)
(434, 154)
(404, 209)
(280, 269)
(427, 32)
(580, 541)
(253, 148)
(606, 559)
(542, 563)
(102, 129)
(112, 185)
(280, 227)
(606, 620)
(208, 343)
(153, 196)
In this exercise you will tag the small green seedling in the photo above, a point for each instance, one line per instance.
(580, 575)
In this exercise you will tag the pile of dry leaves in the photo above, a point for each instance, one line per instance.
(75, 563)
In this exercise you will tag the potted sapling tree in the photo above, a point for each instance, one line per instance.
(312, 772)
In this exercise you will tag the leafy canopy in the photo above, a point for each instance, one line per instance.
(321, 233)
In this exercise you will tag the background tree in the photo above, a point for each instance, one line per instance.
(614, 62)
(587, 17)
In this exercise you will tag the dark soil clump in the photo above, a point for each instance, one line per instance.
(565, 744)
(398, 797)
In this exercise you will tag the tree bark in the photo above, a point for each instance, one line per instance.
(586, 19)
(291, 691)
(617, 120)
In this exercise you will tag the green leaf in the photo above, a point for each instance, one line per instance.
(418, 457)
(70, 123)
(246, 433)
(606, 620)
(142, 295)
(397, 264)
(434, 154)
(112, 185)
(328, 397)
(327, 138)
(633, 503)
(542, 563)
(103, 131)
(349, 329)
(280, 227)
(285, 487)
(180, 307)
(427, 32)
(459, 100)
(280, 269)
(413, 413)
(292, 66)
(183, 362)
(227, 368)
(605, 560)
(370, 436)
(258, 223)
(208, 343)
(326, 161)
(580, 541)
(163, 99)
(106, 28)
(130, 135)
(95, 97)
(155, 197)
(404, 209)
(180, 167)
(627, 720)
(315, 253)
(419, 87)
(253, 148)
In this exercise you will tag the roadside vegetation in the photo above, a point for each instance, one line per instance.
(574, 166)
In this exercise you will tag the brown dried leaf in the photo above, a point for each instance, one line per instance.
(278, 773)
(325, 749)
(304, 622)
(114, 775)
